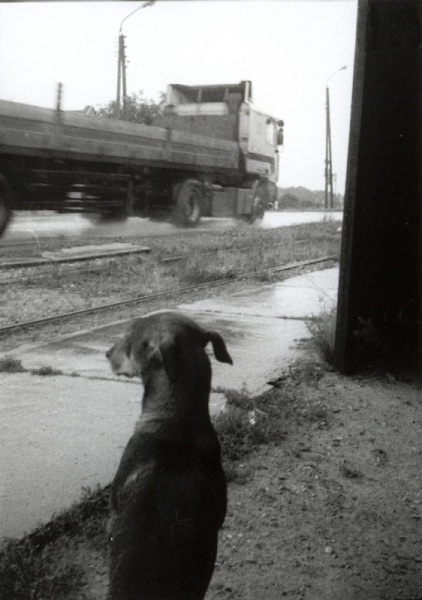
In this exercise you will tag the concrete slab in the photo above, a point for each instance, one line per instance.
(296, 298)
(59, 434)
(255, 359)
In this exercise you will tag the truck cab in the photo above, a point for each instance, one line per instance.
(227, 112)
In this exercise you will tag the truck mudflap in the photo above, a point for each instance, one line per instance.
(231, 201)
(247, 203)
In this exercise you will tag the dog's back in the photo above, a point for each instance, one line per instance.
(168, 498)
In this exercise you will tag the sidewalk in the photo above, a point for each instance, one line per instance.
(61, 433)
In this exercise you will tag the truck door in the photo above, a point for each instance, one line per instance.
(258, 141)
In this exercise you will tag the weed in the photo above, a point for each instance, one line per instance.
(235, 433)
(46, 371)
(83, 517)
(9, 364)
(246, 424)
(236, 472)
(27, 573)
(322, 329)
(239, 398)
(34, 568)
(308, 372)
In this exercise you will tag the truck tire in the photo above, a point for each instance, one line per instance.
(188, 203)
(5, 203)
(123, 209)
(259, 205)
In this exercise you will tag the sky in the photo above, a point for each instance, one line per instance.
(287, 48)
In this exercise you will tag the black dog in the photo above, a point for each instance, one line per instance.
(168, 499)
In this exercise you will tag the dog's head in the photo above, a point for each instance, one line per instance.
(165, 340)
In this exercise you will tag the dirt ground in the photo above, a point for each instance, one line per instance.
(334, 510)
(330, 511)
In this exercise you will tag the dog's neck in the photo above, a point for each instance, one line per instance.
(182, 403)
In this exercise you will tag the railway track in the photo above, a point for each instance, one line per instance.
(38, 262)
(146, 297)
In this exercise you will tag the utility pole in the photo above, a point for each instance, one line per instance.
(121, 77)
(59, 101)
(329, 203)
(329, 196)
(121, 65)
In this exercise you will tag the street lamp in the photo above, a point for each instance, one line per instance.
(121, 63)
(328, 152)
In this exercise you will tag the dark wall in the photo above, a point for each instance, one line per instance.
(379, 293)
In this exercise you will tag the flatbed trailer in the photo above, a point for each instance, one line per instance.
(58, 160)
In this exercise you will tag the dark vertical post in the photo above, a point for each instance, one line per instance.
(330, 155)
(119, 76)
(329, 202)
(124, 92)
(379, 302)
(326, 149)
(59, 102)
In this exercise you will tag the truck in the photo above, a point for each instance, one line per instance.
(210, 152)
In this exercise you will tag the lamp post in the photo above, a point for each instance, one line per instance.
(121, 63)
(329, 199)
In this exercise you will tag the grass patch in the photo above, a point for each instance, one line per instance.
(323, 329)
(29, 574)
(237, 435)
(244, 250)
(39, 566)
(246, 424)
(9, 364)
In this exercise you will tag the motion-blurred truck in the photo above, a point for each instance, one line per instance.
(209, 153)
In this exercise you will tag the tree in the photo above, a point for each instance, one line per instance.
(137, 109)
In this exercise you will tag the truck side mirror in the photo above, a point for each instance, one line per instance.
(280, 137)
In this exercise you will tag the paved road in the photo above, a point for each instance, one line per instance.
(27, 226)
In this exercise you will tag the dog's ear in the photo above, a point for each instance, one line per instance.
(219, 347)
(167, 353)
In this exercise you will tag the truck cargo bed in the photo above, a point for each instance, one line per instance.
(27, 130)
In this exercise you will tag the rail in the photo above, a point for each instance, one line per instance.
(146, 297)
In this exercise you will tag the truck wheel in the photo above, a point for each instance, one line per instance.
(5, 203)
(188, 198)
(258, 208)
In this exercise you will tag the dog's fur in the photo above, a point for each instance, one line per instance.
(168, 498)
